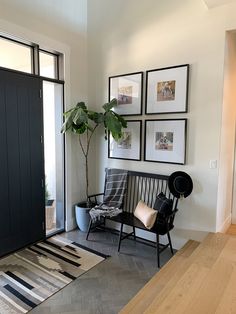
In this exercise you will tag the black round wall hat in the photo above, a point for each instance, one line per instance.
(180, 184)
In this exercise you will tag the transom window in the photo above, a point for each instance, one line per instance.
(48, 64)
(15, 55)
(29, 58)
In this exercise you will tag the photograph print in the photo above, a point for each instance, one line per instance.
(125, 95)
(129, 146)
(126, 141)
(127, 89)
(167, 90)
(165, 140)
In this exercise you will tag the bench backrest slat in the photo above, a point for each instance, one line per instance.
(145, 186)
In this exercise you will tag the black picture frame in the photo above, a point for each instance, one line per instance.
(167, 90)
(132, 148)
(165, 141)
(127, 88)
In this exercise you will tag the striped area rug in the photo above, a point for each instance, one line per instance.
(31, 275)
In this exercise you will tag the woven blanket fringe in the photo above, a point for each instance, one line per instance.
(103, 210)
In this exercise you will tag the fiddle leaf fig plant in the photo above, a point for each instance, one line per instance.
(83, 122)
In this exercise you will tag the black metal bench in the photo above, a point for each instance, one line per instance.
(145, 187)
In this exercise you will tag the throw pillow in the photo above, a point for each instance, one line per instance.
(145, 214)
(163, 204)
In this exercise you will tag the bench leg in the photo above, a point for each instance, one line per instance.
(89, 228)
(170, 243)
(158, 251)
(134, 233)
(120, 237)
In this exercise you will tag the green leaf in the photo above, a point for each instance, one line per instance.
(108, 106)
(80, 116)
(68, 112)
(79, 120)
(97, 117)
(79, 129)
(64, 128)
(113, 125)
(68, 121)
(81, 105)
(121, 120)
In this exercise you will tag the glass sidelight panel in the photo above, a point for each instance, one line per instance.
(53, 156)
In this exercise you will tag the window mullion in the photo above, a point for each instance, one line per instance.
(35, 59)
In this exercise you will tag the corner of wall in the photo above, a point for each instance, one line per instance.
(225, 225)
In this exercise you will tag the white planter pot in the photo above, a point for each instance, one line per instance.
(82, 216)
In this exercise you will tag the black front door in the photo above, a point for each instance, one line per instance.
(22, 211)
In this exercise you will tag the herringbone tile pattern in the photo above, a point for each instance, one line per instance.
(106, 288)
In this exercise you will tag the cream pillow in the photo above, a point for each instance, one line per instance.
(145, 214)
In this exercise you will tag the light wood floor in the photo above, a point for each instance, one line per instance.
(200, 278)
(232, 230)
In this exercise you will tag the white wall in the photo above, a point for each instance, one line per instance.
(227, 174)
(129, 36)
(62, 26)
(216, 3)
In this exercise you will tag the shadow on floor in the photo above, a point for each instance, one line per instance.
(107, 287)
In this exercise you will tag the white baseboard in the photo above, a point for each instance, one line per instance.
(70, 225)
(225, 225)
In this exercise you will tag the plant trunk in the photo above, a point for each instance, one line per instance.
(86, 177)
(85, 151)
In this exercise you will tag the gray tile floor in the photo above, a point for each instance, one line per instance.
(107, 287)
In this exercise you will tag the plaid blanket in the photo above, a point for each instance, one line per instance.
(115, 188)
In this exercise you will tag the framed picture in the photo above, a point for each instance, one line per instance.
(167, 90)
(165, 140)
(129, 147)
(127, 89)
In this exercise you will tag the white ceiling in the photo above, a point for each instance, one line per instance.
(60, 14)
(215, 3)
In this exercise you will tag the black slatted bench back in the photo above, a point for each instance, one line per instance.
(145, 186)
